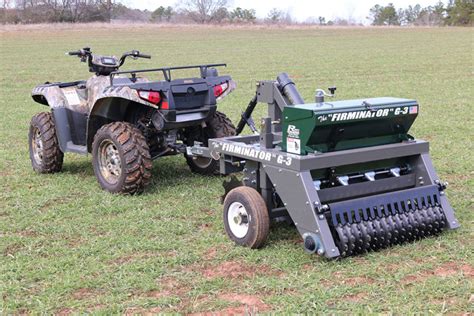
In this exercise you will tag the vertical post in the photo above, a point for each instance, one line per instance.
(266, 136)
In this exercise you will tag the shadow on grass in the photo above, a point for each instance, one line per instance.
(167, 171)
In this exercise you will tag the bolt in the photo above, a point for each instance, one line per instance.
(253, 172)
(320, 251)
(296, 224)
(316, 231)
(245, 169)
(420, 178)
(333, 250)
(437, 181)
(285, 204)
(279, 170)
(422, 182)
(321, 216)
(307, 203)
(264, 166)
(297, 174)
(441, 193)
(254, 181)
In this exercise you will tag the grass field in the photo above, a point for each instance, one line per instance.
(68, 247)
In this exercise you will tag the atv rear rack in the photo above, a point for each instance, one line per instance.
(166, 71)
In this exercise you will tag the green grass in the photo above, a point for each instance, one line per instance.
(67, 246)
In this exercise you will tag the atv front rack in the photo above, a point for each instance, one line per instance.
(167, 71)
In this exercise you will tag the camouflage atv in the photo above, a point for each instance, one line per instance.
(125, 121)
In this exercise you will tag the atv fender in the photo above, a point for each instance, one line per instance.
(69, 119)
(113, 104)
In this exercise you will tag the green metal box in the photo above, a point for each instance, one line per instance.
(338, 125)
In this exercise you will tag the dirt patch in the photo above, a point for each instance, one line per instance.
(204, 226)
(234, 270)
(339, 277)
(212, 253)
(27, 233)
(142, 311)
(64, 312)
(169, 286)
(250, 304)
(468, 270)
(97, 307)
(355, 298)
(84, 293)
(12, 249)
(244, 305)
(207, 211)
(446, 270)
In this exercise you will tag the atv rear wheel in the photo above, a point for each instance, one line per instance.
(121, 158)
(218, 126)
(246, 219)
(45, 154)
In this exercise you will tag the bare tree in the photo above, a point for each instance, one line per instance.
(205, 11)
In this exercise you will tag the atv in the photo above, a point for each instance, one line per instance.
(126, 121)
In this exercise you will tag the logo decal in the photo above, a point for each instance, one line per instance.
(293, 131)
(256, 154)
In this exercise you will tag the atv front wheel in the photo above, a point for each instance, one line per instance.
(218, 126)
(121, 158)
(246, 219)
(45, 154)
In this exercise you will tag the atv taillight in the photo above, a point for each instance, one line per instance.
(165, 105)
(220, 89)
(150, 96)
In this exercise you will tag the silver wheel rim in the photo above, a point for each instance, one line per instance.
(202, 162)
(37, 146)
(238, 220)
(110, 164)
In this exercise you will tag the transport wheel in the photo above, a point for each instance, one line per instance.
(218, 126)
(121, 158)
(246, 218)
(45, 154)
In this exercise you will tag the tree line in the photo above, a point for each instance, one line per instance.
(455, 12)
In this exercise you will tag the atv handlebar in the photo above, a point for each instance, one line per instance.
(86, 52)
(134, 54)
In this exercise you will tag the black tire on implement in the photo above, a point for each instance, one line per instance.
(134, 163)
(45, 154)
(257, 217)
(218, 126)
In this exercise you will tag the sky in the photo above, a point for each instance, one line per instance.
(301, 10)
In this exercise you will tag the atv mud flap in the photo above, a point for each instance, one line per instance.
(380, 221)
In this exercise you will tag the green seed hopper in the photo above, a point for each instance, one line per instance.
(338, 125)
